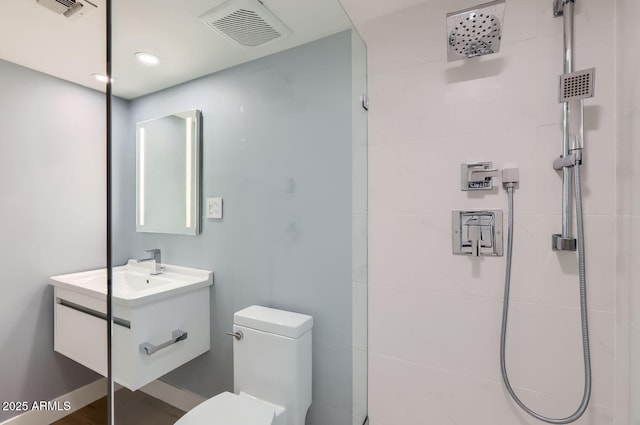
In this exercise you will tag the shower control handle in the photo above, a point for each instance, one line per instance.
(477, 233)
(478, 176)
(481, 175)
(475, 236)
(237, 335)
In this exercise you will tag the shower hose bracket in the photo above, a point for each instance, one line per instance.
(558, 243)
(558, 7)
(568, 161)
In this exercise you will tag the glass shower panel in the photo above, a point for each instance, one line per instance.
(360, 227)
(283, 147)
(52, 215)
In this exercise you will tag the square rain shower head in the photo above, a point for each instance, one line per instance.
(476, 31)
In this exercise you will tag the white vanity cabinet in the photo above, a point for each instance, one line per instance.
(151, 316)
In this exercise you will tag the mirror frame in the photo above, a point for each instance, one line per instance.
(193, 176)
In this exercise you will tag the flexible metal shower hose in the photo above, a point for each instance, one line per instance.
(583, 309)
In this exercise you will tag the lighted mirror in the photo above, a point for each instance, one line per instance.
(167, 174)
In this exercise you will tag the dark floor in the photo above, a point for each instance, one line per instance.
(131, 408)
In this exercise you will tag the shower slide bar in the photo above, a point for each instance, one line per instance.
(574, 88)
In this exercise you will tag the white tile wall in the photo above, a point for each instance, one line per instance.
(628, 65)
(557, 406)
(634, 374)
(627, 407)
(623, 352)
(560, 353)
(401, 248)
(434, 318)
(402, 392)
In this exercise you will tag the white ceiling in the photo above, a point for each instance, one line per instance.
(73, 49)
(363, 11)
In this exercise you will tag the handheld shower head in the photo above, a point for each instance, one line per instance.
(476, 31)
(574, 88)
(577, 85)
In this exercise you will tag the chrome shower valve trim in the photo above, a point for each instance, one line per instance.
(478, 176)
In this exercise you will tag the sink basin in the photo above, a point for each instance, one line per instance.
(133, 284)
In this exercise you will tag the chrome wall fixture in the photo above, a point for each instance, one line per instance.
(477, 233)
(239, 336)
(478, 176)
(476, 31)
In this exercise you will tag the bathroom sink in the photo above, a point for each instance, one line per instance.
(133, 284)
(160, 322)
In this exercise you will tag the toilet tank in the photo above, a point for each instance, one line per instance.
(272, 361)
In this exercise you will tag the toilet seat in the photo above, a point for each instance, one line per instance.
(229, 409)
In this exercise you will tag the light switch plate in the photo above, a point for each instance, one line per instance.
(214, 207)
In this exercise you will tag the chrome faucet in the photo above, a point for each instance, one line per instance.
(156, 257)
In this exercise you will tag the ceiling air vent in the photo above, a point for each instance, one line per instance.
(246, 23)
(68, 8)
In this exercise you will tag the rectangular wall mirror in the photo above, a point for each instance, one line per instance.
(168, 174)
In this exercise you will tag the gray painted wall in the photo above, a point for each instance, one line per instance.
(277, 148)
(52, 221)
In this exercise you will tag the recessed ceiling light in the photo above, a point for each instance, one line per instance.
(101, 77)
(147, 58)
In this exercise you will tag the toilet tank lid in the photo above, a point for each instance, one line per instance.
(279, 322)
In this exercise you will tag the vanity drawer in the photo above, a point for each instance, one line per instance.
(81, 337)
(80, 333)
(154, 324)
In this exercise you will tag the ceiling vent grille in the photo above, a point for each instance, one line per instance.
(68, 8)
(245, 23)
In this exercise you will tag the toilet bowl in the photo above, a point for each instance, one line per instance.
(230, 409)
(272, 372)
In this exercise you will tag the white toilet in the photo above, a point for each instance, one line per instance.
(271, 372)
